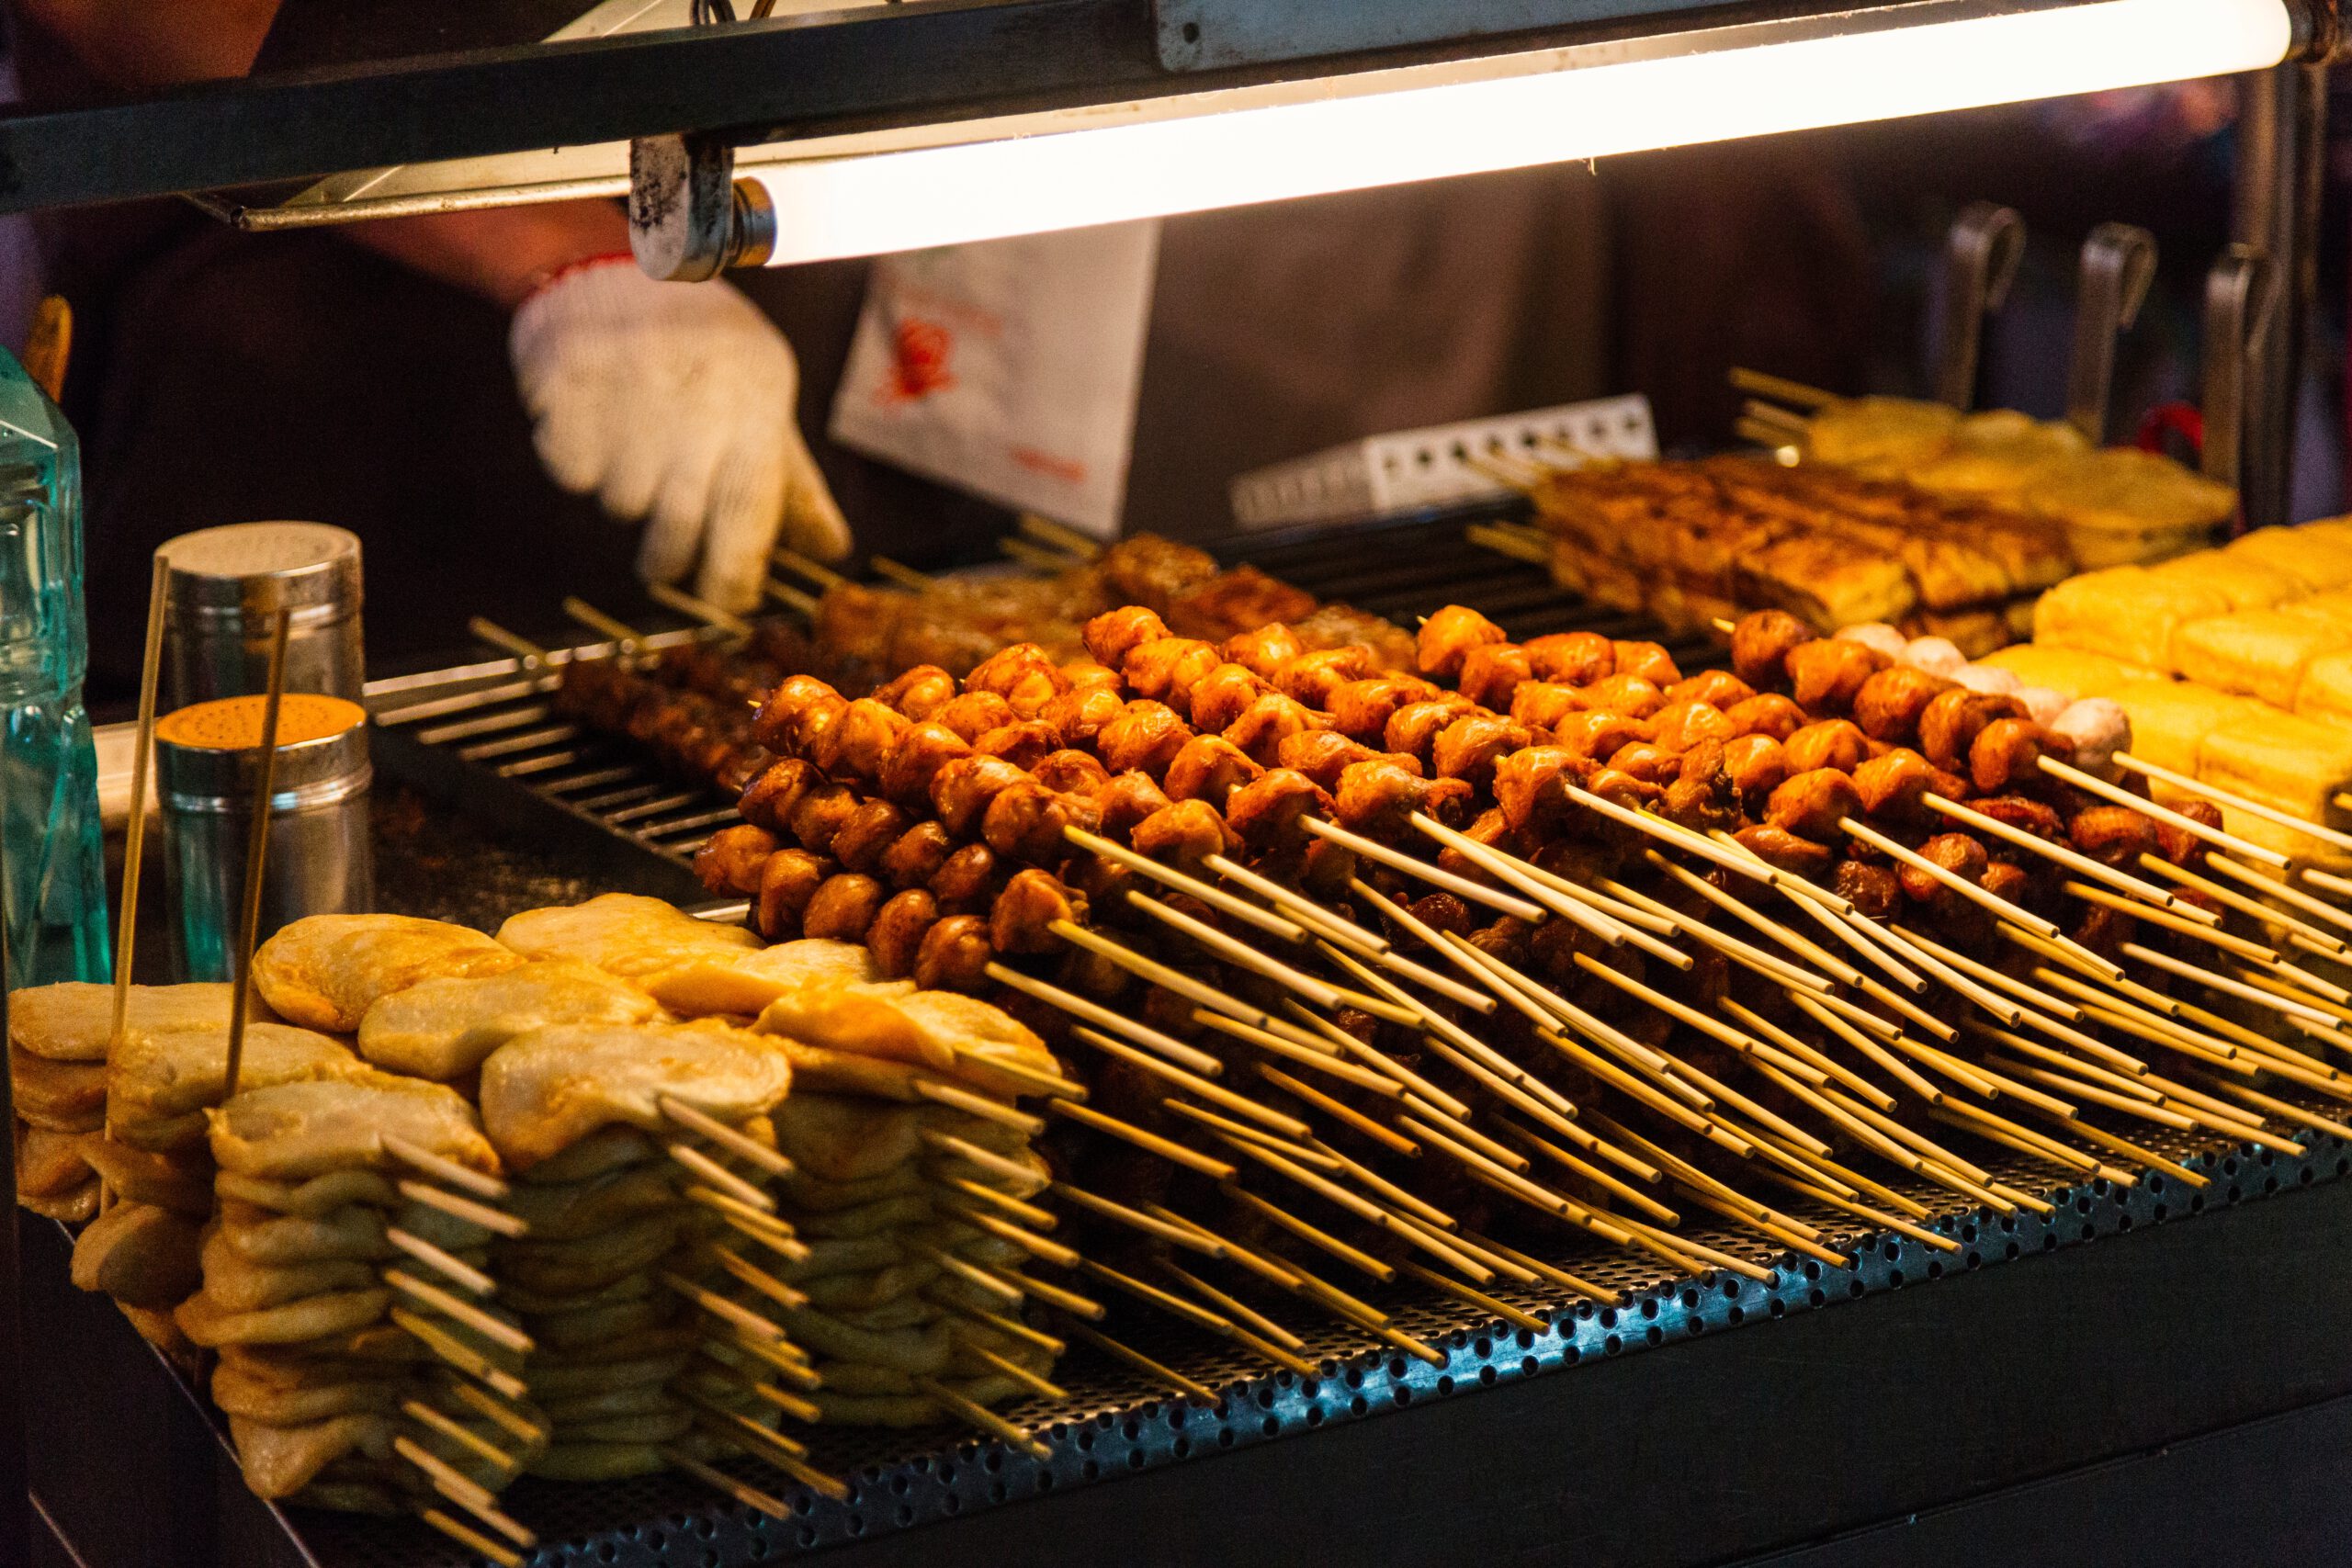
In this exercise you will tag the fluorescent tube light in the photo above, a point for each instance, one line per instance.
(1193, 153)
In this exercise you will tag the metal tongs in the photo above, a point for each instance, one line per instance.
(2242, 293)
(2119, 264)
(1980, 263)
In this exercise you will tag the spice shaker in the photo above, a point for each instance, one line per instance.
(208, 765)
(222, 597)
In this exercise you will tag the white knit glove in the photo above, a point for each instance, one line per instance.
(674, 401)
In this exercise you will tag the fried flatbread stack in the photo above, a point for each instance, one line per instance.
(577, 1110)
(58, 1046)
(316, 1373)
(873, 1192)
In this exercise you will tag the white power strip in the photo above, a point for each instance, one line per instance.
(1381, 475)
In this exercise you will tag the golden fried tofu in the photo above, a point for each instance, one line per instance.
(2260, 653)
(2069, 670)
(622, 933)
(326, 971)
(2317, 559)
(2127, 613)
(441, 1029)
(2326, 692)
(2247, 584)
(2291, 763)
(2171, 718)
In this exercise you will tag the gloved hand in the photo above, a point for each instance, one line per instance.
(674, 401)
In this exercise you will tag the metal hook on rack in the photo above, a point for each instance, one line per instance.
(2242, 292)
(2119, 263)
(1980, 263)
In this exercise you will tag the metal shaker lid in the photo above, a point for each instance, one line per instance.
(243, 572)
(213, 750)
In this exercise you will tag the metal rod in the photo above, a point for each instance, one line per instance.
(134, 845)
(256, 854)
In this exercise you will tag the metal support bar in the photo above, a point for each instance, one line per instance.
(2283, 118)
(2241, 303)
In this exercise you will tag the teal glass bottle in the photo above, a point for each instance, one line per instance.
(52, 855)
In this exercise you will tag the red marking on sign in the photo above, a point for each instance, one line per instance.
(1066, 469)
(919, 351)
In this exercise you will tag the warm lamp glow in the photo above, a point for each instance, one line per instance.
(1251, 145)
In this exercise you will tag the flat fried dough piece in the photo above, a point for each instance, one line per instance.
(181, 1182)
(67, 1208)
(357, 1232)
(69, 1021)
(156, 1080)
(56, 1094)
(943, 1030)
(326, 971)
(598, 1461)
(584, 1208)
(235, 1284)
(313, 1317)
(313, 1198)
(295, 1131)
(139, 1255)
(50, 1164)
(237, 1392)
(2260, 653)
(744, 981)
(2122, 489)
(840, 1139)
(896, 1410)
(606, 1149)
(622, 933)
(544, 1090)
(441, 1029)
(281, 1461)
(1880, 435)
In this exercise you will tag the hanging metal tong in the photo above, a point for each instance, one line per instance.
(1980, 263)
(2119, 264)
(2242, 293)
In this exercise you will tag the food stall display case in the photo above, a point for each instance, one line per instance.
(2044, 1349)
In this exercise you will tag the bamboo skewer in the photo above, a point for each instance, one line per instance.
(729, 1138)
(705, 1168)
(459, 1354)
(491, 1327)
(1396, 860)
(2223, 984)
(2074, 859)
(256, 854)
(470, 1538)
(2237, 946)
(2271, 814)
(495, 1221)
(143, 762)
(441, 1425)
(1216, 898)
(1191, 1083)
(448, 1265)
(2149, 808)
(1169, 1047)
(2293, 897)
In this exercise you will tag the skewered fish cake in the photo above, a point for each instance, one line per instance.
(941, 1029)
(1881, 436)
(543, 1091)
(2120, 496)
(326, 971)
(745, 982)
(622, 933)
(442, 1029)
(158, 1085)
(295, 1131)
(72, 1020)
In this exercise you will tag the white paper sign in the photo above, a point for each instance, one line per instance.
(1009, 369)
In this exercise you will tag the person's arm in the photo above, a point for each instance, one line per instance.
(502, 254)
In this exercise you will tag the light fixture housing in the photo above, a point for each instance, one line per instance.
(1236, 146)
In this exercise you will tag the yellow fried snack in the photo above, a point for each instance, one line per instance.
(2326, 692)
(543, 1091)
(2127, 613)
(2171, 718)
(1879, 435)
(2294, 764)
(2247, 584)
(2261, 653)
(2318, 558)
(2123, 491)
(326, 971)
(621, 933)
(2069, 670)
(69, 1021)
(442, 1029)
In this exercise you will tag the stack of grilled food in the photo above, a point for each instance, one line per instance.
(1291, 978)
(1874, 509)
(862, 635)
